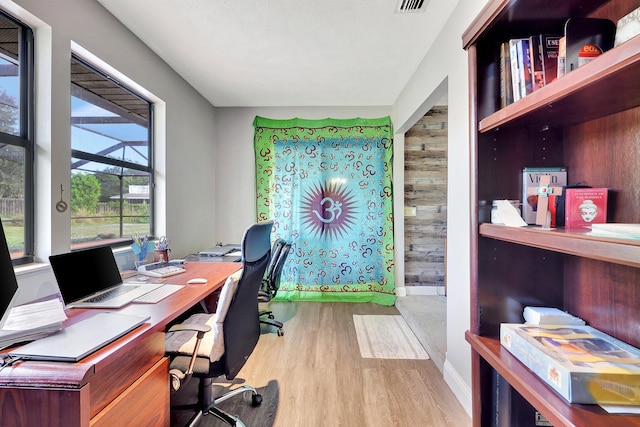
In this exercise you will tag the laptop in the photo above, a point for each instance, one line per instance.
(219, 250)
(80, 339)
(90, 279)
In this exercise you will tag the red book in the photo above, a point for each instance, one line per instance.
(585, 206)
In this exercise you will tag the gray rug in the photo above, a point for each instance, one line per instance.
(386, 337)
(426, 315)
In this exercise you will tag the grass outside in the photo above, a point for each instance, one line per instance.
(85, 232)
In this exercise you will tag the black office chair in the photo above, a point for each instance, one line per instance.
(271, 282)
(207, 346)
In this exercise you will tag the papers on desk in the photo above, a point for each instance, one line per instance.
(234, 253)
(31, 321)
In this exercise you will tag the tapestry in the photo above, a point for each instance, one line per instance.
(327, 186)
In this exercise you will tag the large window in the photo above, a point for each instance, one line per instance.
(16, 137)
(111, 160)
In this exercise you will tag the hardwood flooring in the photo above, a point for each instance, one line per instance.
(314, 376)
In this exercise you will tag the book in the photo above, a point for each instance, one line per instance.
(527, 66)
(535, 57)
(524, 68)
(581, 363)
(584, 207)
(515, 73)
(562, 57)
(560, 204)
(550, 45)
(506, 85)
(530, 181)
(31, 321)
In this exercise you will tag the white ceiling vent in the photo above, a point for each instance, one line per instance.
(411, 6)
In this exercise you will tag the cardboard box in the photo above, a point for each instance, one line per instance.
(581, 363)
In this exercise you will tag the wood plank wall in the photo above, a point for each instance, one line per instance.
(425, 188)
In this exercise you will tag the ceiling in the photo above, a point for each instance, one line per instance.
(277, 53)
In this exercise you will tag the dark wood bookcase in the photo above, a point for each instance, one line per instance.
(588, 121)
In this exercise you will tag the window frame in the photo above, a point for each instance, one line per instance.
(26, 131)
(149, 168)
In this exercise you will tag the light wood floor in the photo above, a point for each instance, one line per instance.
(314, 376)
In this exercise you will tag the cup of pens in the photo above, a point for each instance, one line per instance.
(161, 252)
(140, 248)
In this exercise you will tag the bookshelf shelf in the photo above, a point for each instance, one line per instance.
(572, 242)
(604, 86)
(556, 409)
(587, 121)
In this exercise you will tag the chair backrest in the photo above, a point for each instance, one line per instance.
(275, 254)
(277, 271)
(241, 327)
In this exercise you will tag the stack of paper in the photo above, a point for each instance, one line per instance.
(32, 321)
(550, 316)
(628, 231)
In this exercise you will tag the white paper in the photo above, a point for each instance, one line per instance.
(35, 315)
(621, 409)
(509, 215)
(234, 253)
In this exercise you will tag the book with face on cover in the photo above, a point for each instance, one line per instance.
(584, 207)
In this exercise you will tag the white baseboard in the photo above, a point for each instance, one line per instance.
(421, 290)
(460, 389)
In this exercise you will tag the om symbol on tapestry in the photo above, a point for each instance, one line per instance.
(328, 209)
(333, 207)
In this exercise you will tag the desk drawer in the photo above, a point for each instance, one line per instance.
(144, 403)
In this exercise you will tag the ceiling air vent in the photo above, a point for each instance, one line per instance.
(411, 6)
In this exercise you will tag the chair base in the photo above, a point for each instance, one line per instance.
(271, 321)
(211, 409)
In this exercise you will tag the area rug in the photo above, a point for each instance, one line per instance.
(387, 337)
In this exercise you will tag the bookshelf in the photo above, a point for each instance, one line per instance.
(588, 121)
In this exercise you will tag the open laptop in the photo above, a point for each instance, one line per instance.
(90, 279)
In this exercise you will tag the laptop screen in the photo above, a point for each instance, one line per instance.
(83, 273)
(8, 282)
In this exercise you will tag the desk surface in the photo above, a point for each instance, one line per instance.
(112, 369)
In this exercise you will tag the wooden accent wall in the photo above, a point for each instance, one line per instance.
(425, 188)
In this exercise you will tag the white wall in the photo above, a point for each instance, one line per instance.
(446, 66)
(188, 176)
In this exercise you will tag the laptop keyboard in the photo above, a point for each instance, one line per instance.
(158, 294)
(112, 293)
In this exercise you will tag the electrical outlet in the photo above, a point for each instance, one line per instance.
(409, 211)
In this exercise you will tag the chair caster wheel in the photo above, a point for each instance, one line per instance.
(256, 400)
(280, 332)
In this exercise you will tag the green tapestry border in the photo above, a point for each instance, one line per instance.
(263, 122)
(360, 297)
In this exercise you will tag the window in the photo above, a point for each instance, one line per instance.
(16, 137)
(111, 160)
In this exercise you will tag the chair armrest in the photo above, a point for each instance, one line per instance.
(199, 328)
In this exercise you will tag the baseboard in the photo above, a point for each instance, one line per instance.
(423, 290)
(460, 389)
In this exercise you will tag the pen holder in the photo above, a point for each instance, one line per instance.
(141, 252)
(161, 255)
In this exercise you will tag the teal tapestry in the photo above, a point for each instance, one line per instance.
(327, 185)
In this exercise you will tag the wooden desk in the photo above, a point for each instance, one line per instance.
(125, 383)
